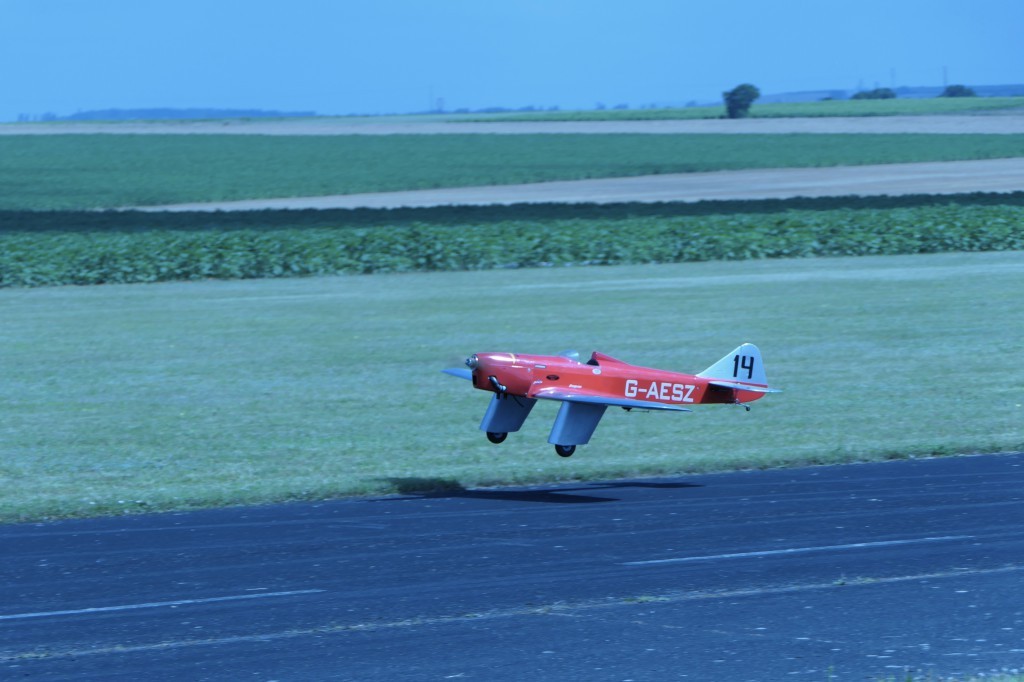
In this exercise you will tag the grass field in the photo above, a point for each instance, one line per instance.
(73, 172)
(877, 107)
(145, 397)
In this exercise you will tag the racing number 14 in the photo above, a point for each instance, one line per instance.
(743, 362)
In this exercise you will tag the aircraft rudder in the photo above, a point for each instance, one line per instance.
(742, 364)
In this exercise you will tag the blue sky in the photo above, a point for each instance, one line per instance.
(385, 56)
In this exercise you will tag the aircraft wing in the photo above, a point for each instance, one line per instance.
(740, 386)
(597, 399)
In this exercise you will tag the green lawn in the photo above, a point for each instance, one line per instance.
(70, 172)
(165, 396)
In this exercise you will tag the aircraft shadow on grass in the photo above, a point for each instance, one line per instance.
(425, 487)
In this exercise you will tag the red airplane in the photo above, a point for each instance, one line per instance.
(587, 389)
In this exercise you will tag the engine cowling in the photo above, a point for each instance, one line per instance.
(500, 373)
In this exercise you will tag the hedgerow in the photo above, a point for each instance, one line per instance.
(99, 248)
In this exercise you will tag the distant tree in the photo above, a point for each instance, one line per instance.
(958, 91)
(877, 93)
(739, 99)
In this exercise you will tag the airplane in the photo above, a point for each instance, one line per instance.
(587, 389)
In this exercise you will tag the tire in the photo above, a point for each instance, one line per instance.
(565, 450)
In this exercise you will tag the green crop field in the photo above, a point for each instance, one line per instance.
(131, 398)
(45, 249)
(72, 172)
(829, 108)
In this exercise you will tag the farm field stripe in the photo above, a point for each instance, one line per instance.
(48, 258)
(109, 171)
(940, 178)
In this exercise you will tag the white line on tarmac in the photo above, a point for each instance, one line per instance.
(799, 550)
(543, 610)
(155, 605)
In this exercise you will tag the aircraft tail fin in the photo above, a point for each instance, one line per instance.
(740, 369)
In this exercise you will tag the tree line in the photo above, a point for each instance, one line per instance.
(739, 100)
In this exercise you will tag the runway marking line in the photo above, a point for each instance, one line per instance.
(154, 605)
(555, 609)
(798, 550)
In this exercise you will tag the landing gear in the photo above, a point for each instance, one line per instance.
(565, 450)
(496, 437)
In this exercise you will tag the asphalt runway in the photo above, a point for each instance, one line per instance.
(865, 571)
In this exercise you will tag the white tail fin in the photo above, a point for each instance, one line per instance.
(742, 366)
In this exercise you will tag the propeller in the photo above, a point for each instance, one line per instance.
(463, 372)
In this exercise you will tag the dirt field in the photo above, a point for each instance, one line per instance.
(1006, 124)
(997, 175)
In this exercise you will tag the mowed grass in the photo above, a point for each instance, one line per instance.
(74, 172)
(170, 396)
